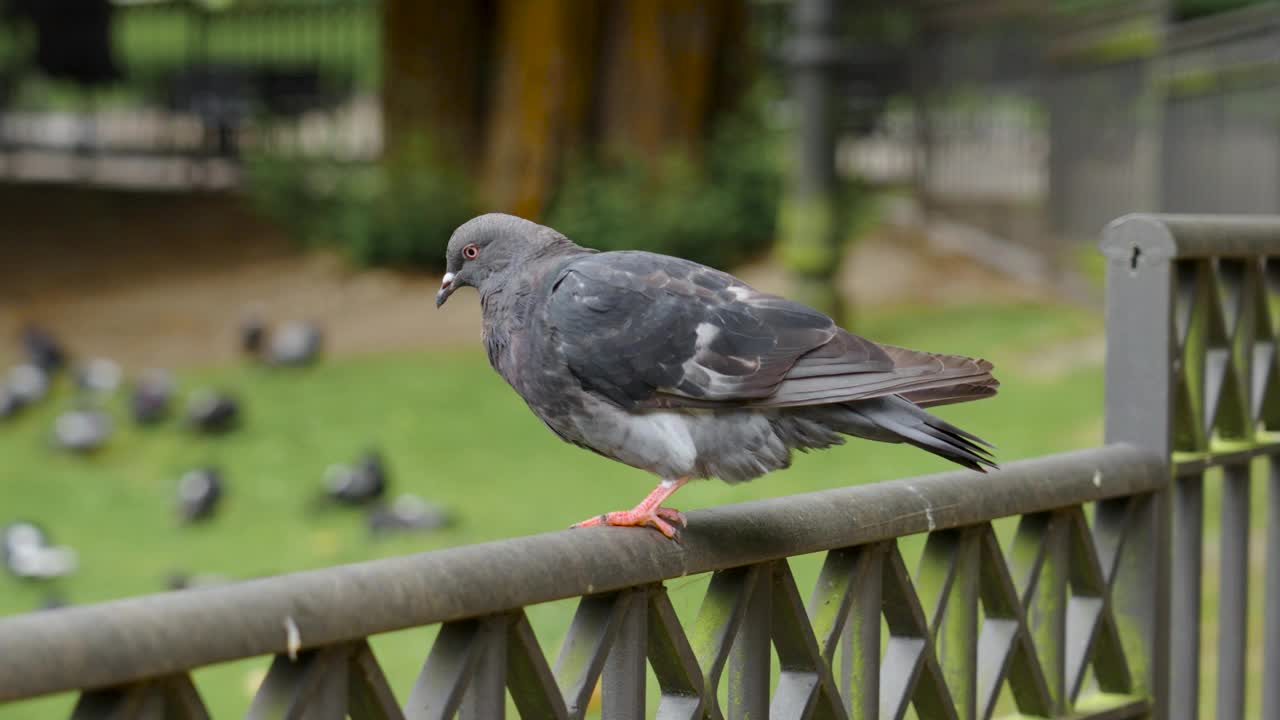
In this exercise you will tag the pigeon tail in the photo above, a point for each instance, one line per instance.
(896, 419)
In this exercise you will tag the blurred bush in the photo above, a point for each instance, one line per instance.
(720, 213)
(396, 213)
(401, 212)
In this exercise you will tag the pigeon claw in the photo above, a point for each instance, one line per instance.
(665, 520)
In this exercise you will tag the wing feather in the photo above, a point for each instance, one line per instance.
(649, 330)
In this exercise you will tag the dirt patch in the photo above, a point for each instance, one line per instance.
(163, 280)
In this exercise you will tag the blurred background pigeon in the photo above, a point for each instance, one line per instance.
(253, 334)
(99, 376)
(357, 484)
(28, 383)
(199, 493)
(294, 344)
(212, 411)
(43, 350)
(82, 430)
(151, 398)
(179, 580)
(9, 405)
(407, 513)
(30, 554)
(52, 600)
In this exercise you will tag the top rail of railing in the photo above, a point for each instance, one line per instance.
(1192, 236)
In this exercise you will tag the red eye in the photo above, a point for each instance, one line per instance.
(470, 252)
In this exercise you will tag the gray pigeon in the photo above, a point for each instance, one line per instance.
(687, 372)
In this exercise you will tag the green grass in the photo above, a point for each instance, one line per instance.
(454, 433)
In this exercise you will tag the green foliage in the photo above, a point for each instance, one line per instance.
(1190, 9)
(397, 213)
(720, 214)
(401, 212)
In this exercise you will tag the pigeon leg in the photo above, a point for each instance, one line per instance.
(648, 512)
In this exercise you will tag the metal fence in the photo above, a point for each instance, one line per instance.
(1090, 610)
(190, 89)
(1221, 123)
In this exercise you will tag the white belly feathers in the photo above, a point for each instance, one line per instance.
(731, 445)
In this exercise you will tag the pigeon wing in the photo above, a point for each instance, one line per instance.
(653, 330)
(649, 330)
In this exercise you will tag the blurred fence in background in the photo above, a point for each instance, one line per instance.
(193, 88)
(1038, 121)
(1031, 120)
(1221, 144)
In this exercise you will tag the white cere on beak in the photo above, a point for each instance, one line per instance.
(447, 280)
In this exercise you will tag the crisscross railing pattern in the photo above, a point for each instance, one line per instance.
(1203, 304)
(871, 639)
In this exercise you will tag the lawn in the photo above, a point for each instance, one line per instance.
(454, 433)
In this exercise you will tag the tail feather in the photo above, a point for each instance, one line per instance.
(964, 392)
(895, 419)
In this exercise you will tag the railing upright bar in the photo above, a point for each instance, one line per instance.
(1139, 410)
(486, 694)
(862, 639)
(1233, 603)
(623, 682)
(1271, 620)
(750, 660)
(1187, 589)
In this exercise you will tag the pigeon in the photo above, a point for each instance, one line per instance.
(687, 372)
(52, 600)
(100, 376)
(10, 405)
(357, 484)
(43, 350)
(151, 398)
(253, 334)
(212, 411)
(82, 430)
(199, 492)
(294, 344)
(28, 553)
(407, 513)
(179, 580)
(28, 383)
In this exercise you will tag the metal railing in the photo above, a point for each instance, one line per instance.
(1048, 609)
(1074, 614)
(1193, 311)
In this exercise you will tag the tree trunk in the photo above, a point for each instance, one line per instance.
(433, 56)
(544, 77)
(507, 89)
(667, 65)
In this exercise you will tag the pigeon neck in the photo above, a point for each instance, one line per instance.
(504, 295)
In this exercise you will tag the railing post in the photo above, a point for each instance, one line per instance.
(1139, 411)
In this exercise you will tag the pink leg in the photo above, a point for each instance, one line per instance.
(648, 512)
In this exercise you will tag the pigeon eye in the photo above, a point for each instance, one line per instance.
(470, 252)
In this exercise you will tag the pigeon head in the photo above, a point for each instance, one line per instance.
(483, 248)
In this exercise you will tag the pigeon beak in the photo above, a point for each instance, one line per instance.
(446, 289)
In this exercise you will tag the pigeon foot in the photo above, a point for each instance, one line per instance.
(649, 512)
(664, 520)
